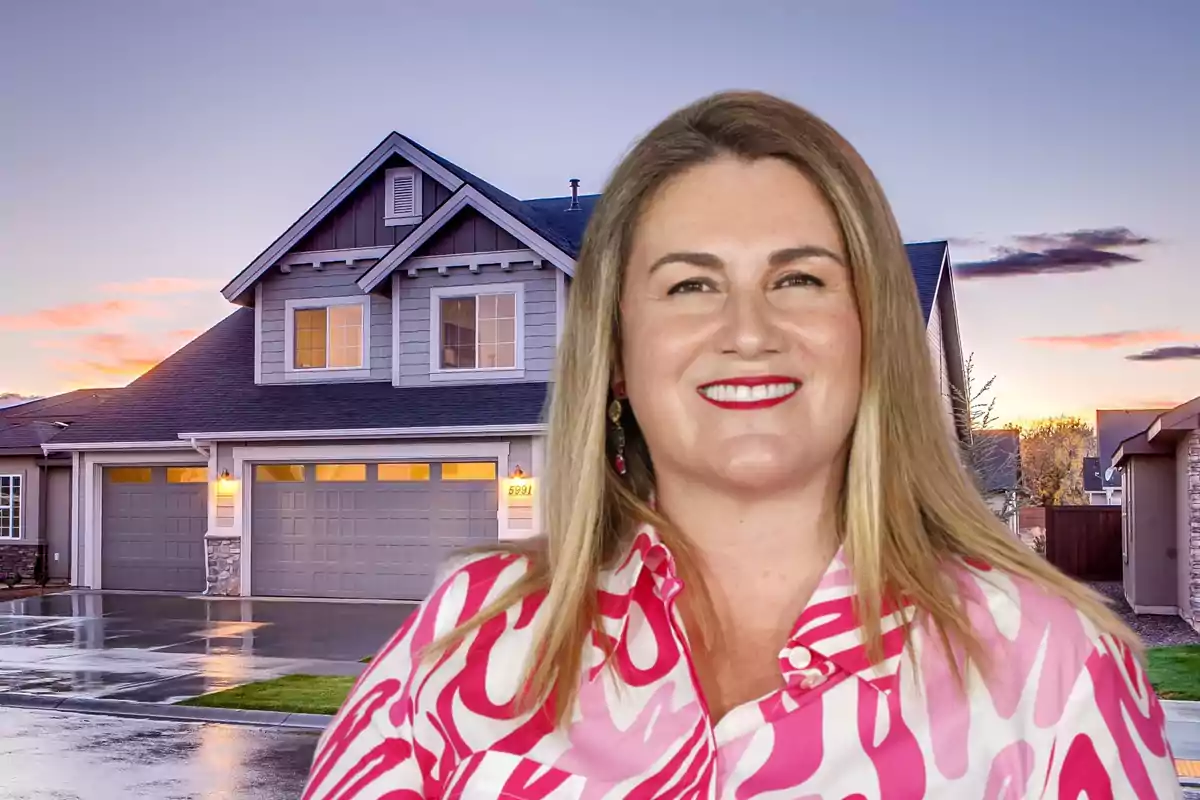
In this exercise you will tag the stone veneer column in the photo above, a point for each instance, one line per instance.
(1191, 452)
(223, 557)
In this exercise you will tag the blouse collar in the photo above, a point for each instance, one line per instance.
(828, 626)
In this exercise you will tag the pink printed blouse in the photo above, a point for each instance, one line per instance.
(1065, 712)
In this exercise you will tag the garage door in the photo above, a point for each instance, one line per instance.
(365, 530)
(152, 528)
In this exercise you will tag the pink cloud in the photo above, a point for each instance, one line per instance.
(161, 286)
(116, 357)
(72, 316)
(1111, 339)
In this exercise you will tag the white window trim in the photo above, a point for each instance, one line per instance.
(437, 294)
(322, 373)
(21, 511)
(418, 202)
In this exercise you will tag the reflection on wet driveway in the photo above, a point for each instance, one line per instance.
(165, 648)
(48, 754)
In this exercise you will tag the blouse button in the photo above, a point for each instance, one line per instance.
(799, 657)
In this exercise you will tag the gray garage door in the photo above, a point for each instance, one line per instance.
(365, 530)
(152, 528)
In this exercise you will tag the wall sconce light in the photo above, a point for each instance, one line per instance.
(517, 473)
(225, 482)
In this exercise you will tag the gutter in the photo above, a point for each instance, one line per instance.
(439, 432)
(80, 447)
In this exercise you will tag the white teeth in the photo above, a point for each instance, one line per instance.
(725, 393)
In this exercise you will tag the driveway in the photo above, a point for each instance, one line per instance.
(165, 648)
(48, 754)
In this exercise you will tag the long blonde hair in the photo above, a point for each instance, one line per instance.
(908, 504)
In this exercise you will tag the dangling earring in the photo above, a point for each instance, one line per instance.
(614, 416)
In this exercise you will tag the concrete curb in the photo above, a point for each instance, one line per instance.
(137, 710)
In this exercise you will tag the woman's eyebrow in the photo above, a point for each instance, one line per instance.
(790, 254)
(776, 259)
(706, 260)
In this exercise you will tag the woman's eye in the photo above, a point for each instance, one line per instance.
(798, 279)
(691, 285)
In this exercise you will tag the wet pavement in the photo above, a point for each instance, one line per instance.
(166, 648)
(50, 755)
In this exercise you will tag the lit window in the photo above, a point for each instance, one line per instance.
(10, 506)
(479, 331)
(403, 472)
(469, 471)
(341, 473)
(187, 475)
(328, 337)
(129, 474)
(279, 473)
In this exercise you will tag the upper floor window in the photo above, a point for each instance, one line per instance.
(477, 328)
(10, 506)
(402, 196)
(329, 334)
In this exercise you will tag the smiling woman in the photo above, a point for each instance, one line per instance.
(766, 570)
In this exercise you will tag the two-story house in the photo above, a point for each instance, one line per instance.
(373, 403)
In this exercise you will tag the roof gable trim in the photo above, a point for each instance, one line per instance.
(466, 195)
(394, 144)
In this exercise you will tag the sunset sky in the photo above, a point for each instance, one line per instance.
(150, 150)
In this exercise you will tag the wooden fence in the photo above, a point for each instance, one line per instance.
(1085, 541)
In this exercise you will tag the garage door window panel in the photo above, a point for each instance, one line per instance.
(469, 471)
(129, 474)
(279, 473)
(403, 472)
(341, 473)
(187, 475)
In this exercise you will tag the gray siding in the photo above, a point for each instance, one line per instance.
(469, 232)
(935, 337)
(58, 521)
(31, 496)
(304, 282)
(414, 322)
(358, 220)
(1150, 571)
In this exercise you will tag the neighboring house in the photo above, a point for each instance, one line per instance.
(998, 468)
(35, 488)
(373, 403)
(1160, 513)
(1101, 483)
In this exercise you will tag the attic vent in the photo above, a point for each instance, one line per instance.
(402, 203)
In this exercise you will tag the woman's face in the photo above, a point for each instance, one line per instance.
(741, 342)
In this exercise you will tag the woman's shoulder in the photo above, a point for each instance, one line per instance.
(1033, 634)
(1010, 607)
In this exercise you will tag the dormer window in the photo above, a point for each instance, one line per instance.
(327, 335)
(402, 196)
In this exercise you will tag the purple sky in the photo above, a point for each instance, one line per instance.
(150, 150)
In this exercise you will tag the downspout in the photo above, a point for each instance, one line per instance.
(199, 448)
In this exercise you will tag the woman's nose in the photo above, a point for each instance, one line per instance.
(749, 327)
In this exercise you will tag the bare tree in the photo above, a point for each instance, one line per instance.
(986, 451)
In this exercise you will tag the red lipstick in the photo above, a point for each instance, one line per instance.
(744, 394)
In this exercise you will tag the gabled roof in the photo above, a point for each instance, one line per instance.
(558, 247)
(208, 385)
